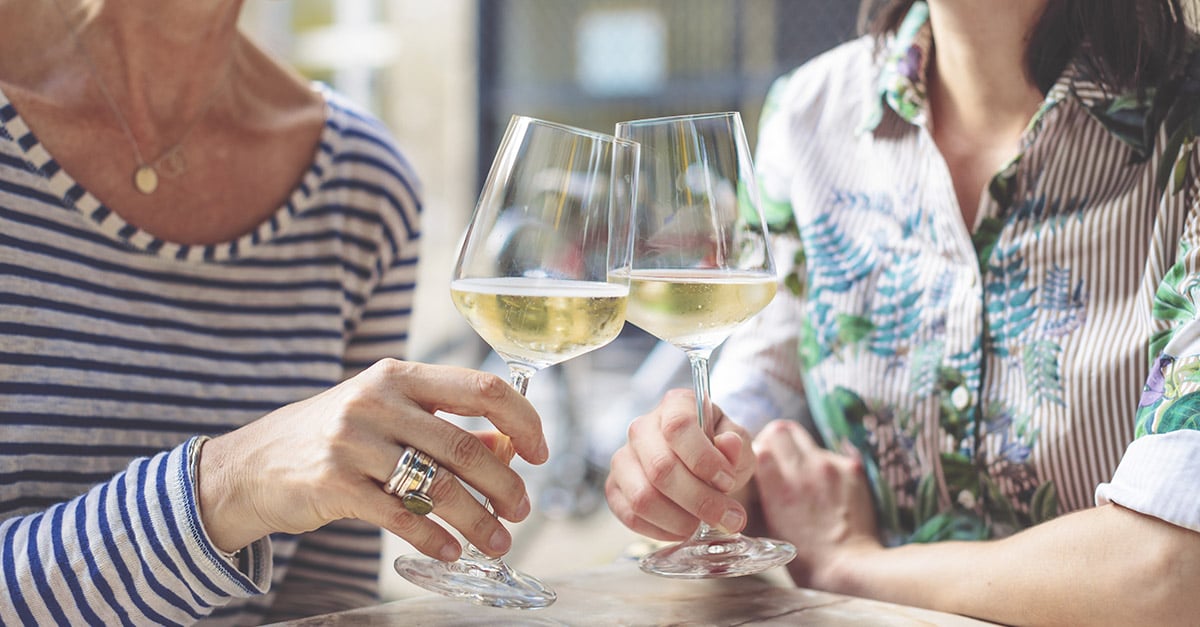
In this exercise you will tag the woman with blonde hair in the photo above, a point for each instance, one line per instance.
(207, 270)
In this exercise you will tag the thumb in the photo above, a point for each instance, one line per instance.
(731, 446)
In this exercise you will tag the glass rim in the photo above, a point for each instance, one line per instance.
(597, 135)
(682, 116)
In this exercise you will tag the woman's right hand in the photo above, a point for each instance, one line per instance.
(669, 476)
(326, 458)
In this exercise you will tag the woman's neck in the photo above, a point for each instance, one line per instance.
(978, 80)
(162, 61)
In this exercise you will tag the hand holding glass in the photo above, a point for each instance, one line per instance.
(542, 276)
(701, 267)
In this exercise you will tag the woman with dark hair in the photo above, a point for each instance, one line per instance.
(988, 215)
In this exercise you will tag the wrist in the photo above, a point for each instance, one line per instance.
(227, 526)
(847, 570)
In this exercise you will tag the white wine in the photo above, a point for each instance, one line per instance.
(696, 308)
(540, 322)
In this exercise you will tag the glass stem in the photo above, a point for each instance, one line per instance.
(518, 376)
(704, 413)
(699, 361)
(519, 379)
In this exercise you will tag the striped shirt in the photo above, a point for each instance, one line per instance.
(992, 375)
(119, 351)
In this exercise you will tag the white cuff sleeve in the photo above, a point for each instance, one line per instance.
(1159, 476)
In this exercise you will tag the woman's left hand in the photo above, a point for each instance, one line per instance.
(814, 498)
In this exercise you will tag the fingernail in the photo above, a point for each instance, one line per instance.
(449, 552)
(523, 508)
(732, 520)
(544, 451)
(723, 481)
(499, 542)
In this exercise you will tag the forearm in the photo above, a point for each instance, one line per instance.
(128, 547)
(1105, 565)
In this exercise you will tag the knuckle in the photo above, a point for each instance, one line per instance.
(358, 400)
(765, 459)
(710, 507)
(406, 525)
(827, 467)
(707, 464)
(617, 459)
(627, 517)
(660, 468)
(441, 490)
(642, 499)
(612, 490)
(509, 493)
(490, 386)
(624, 458)
(775, 428)
(389, 368)
(635, 428)
(466, 451)
(482, 526)
(676, 425)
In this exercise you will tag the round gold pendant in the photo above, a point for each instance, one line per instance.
(145, 179)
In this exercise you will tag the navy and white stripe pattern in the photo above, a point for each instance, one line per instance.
(991, 376)
(118, 349)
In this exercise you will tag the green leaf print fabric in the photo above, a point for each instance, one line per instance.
(992, 375)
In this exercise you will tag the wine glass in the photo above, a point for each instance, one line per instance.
(701, 267)
(542, 276)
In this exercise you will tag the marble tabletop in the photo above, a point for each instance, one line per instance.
(621, 594)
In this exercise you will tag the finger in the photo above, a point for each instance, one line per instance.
(458, 508)
(640, 506)
(734, 447)
(426, 536)
(624, 511)
(681, 430)
(788, 440)
(500, 444)
(802, 437)
(471, 393)
(665, 471)
(473, 463)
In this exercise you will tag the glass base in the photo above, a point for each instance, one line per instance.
(481, 581)
(711, 555)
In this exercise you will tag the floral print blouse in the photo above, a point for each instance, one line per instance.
(997, 374)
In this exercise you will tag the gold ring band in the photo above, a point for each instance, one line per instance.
(402, 471)
(411, 479)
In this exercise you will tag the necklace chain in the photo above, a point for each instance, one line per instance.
(170, 162)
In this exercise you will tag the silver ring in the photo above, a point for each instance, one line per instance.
(400, 474)
(416, 498)
(410, 480)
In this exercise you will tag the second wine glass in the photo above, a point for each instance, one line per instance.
(542, 276)
(701, 267)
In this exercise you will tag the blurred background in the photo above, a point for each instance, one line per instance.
(445, 76)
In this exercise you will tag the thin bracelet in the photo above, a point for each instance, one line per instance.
(232, 557)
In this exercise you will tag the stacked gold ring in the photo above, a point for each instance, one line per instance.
(411, 479)
(401, 472)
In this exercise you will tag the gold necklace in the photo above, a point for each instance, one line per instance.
(170, 162)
